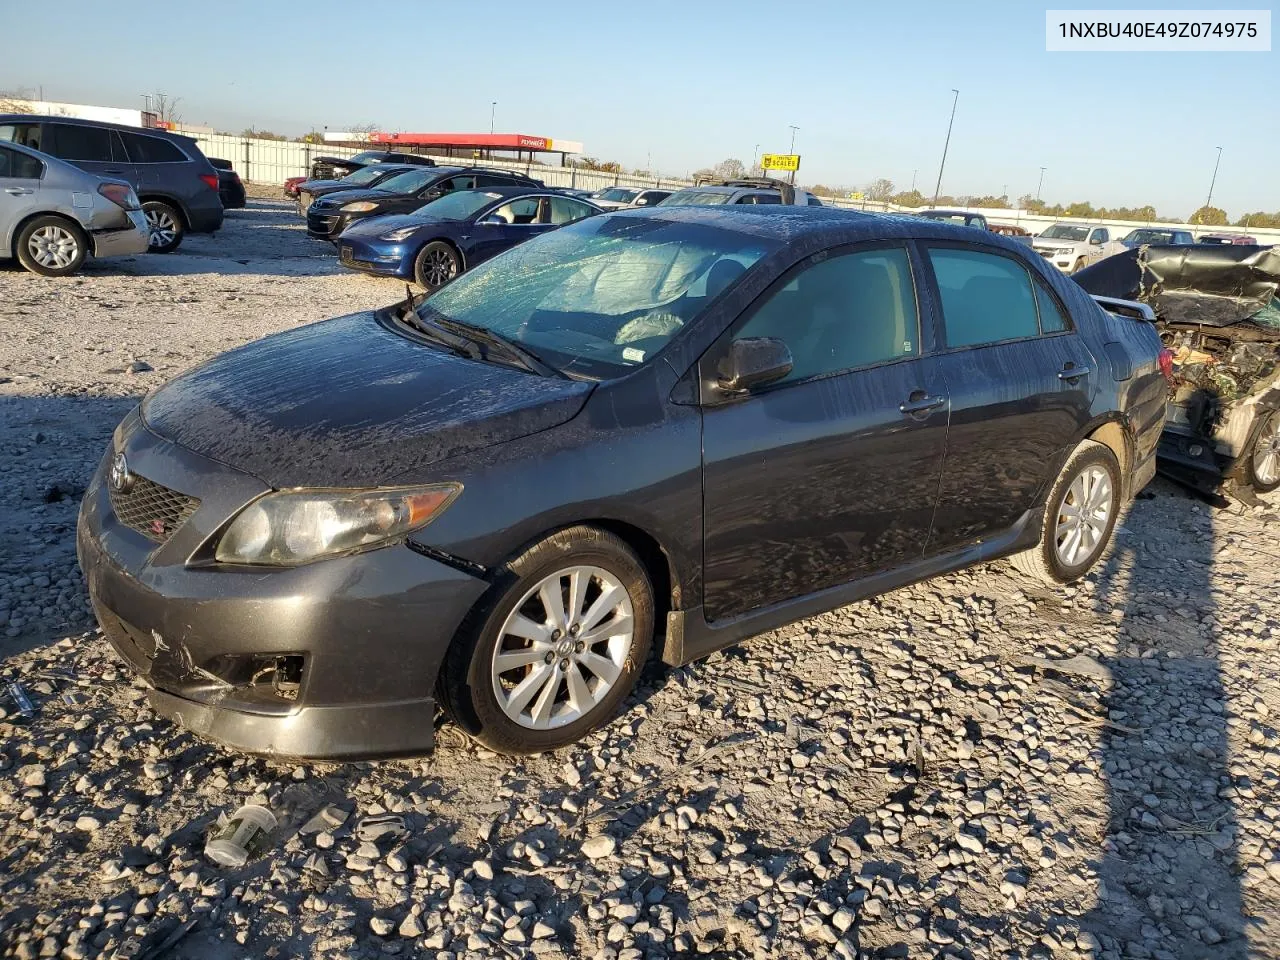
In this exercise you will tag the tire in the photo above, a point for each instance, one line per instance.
(436, 265)
(52, 246)
(166, 225)
(1262, 463)
(1054, 563)
(511, 710)
(1081, 263)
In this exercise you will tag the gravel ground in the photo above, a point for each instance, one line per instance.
(911, 776)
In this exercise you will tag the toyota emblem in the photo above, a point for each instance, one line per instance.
(121, 478)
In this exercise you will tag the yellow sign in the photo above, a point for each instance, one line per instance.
(857, 195)
(780, 161)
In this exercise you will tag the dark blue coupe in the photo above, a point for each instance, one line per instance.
(450, 235)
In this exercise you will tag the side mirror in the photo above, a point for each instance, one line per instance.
(752, 362)
(1095, 240)
(642, 202)
(491, 220)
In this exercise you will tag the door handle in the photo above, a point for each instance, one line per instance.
(921, 402)
(18, 191)
(118, 173)
(1072, 372)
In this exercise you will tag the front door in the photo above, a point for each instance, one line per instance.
(1020, 381)
(830, 473)
(505, 226)
(19, 190)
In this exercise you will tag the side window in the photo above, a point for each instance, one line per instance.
(144, 149)
(522, 212)
(19, 166)
(986, 298)
(26, 134)
(564, 210)
(1098, 236)
(72, 142)
(850, 310)
(1052, 319)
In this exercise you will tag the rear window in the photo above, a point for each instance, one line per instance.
(79, 143)
(697, 198)
(19, 166)
(144, 149)
(986, 298)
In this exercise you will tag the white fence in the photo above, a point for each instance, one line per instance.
(274, 161)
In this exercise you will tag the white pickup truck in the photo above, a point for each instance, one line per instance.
(1071, 247)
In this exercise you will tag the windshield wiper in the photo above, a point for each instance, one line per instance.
(437, 334)
(518, 352)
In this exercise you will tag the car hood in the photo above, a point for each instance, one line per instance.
(339, 197)
(352, 403)
(376, 226)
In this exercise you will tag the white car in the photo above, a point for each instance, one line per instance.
(744, 190)
(619, 198)
(1071, 246)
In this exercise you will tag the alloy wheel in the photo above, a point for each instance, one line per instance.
(1266, 452)
(163, 227)
(1083, 516)
(53, 247)
(438, 267)
(562, 648)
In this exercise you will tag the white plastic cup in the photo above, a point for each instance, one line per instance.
(240, 836)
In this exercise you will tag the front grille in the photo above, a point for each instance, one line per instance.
(151, 509)
(320, 224)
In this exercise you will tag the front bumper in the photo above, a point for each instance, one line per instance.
(1062, 262)
(368, 631)
(382, 258)
(126, 241)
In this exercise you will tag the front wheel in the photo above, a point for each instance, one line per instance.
(52, 246)
(550, 657)
(1262, 466)
(436, 265)
(1080, 265)
(165, 223)
(1079, 517)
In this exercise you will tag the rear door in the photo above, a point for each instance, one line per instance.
(97, 150)
(162, 167)
(19, 192)
(831, 473)
(1020, 380)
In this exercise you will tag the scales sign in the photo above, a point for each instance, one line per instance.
(780, 161)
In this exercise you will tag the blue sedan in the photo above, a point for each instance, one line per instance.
(450, 235)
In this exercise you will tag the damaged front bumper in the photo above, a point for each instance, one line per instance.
(332, 660)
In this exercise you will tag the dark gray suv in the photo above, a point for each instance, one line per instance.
(175, 182)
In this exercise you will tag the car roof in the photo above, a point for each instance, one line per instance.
(517, 189)
(81, 122)
(946, 213)
(793, 222)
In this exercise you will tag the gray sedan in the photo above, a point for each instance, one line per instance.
(53, 215)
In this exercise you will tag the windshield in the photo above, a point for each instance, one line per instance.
(695, 198)
(1150, 236)
(618, 195)
(1064, 231)
(411, 181)
(364, 175)
(459, 205)
(603, 295)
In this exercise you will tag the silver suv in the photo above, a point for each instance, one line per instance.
(747, 190)
(176, 183)
(52, 215)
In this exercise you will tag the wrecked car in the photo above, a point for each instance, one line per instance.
(665, 429)
(1218, 315)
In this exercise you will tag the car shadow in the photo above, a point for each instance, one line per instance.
(1168, 871)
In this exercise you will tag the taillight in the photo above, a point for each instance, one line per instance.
(211, 180)
(1166, 364)
(119, 194)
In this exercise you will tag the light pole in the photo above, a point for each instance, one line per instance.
(947, 143)
(794, 128)
(755, 157)
(1209, 201)
(493, 108)
(1041, 182)
(913, 179)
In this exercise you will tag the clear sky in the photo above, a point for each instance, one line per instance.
(691, 83)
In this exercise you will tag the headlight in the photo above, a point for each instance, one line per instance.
(289, 528)
(404, 233)
(359, 207)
